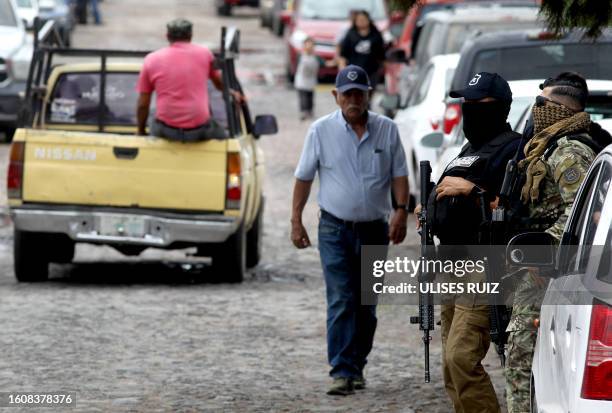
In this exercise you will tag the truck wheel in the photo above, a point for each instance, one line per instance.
(229, 259)
(254, 237)
(224, 9)
(61, 248)
(30, 260)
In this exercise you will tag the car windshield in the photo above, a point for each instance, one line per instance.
(7, 16)
(340, 9)
(592, 60)
(459, 33)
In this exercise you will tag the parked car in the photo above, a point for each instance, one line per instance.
(127, 191)
(323, 22)
(572, 363)
(599, 106)
(224, 7)
(15, 57)
(544, 55)
(27, 10)
(270, 12)
(409, 31)
(422, 114)
(62, 13)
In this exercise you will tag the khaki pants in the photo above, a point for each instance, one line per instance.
(465, 342)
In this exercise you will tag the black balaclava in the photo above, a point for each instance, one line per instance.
(483, 121)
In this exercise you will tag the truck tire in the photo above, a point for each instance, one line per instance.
(254, 239)
(7, 134)
(229, 258)
(30, 259)
(60, 248)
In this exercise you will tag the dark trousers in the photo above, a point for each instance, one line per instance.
(350, 325)
(306, 98)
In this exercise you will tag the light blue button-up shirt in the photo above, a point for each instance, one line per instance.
(355, 174)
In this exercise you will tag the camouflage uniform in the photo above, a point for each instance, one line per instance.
(566, 168)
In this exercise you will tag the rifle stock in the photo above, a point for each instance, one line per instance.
(425, 319)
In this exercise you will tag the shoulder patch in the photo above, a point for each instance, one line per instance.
(571, 175)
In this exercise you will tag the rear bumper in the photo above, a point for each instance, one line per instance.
(160, 229)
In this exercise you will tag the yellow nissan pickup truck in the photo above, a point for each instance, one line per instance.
(79, 173)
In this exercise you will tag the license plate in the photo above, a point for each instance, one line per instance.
(122, 226)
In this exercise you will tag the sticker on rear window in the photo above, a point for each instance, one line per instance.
(63, 110)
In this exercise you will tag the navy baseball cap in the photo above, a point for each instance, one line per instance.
(485, 84)
(352, 77)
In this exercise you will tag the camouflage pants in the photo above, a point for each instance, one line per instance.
(521, 344)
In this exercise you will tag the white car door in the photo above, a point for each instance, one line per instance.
(562, 337)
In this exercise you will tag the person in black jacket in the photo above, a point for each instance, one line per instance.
(455, 216)
(363, 46)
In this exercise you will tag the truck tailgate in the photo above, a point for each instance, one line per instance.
(80, 168)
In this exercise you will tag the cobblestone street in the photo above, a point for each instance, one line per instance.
(153, 333)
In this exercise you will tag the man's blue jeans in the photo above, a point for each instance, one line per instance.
(350, 325)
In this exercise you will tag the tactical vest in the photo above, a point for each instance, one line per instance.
(456, 220)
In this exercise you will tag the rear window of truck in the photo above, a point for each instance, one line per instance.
(76, 99)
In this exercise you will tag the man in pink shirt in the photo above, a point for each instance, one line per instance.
(179, 76)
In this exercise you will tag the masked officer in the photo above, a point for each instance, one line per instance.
(557, 158)
(455, 218)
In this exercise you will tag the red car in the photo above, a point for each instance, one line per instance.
(325, 22)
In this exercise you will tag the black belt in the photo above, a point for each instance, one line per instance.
(351, 224)
(183, 129)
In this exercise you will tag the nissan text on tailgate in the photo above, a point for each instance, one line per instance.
(79, 173)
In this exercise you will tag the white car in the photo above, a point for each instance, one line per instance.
(27, 10)
(15, 56)
(523, 95)
(572, 364)
(423, 114)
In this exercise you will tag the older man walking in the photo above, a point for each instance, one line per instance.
(359, 158)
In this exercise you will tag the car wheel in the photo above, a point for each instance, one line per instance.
(229, 259)
(224, 9)
(61, 248)
(8, 134)
(30, 260)
(254, 239)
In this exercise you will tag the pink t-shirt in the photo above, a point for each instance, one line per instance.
(179, 75)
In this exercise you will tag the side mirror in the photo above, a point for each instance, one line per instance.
(432, 140)
(532, 249)
(265, 125)
(396, 55)
(390, 102)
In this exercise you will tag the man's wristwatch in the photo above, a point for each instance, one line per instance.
(401, 206)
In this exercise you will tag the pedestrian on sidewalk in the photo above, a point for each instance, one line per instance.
(95, 11)
(359, 158)
(306, 78)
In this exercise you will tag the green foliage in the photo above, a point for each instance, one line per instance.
(560, 15)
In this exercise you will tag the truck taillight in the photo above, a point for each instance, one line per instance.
(597, 378)
(452, 116)
(15, 170)
(234, 181)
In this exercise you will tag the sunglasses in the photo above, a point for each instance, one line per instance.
(541, 101)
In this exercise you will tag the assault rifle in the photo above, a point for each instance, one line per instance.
(425, 319)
